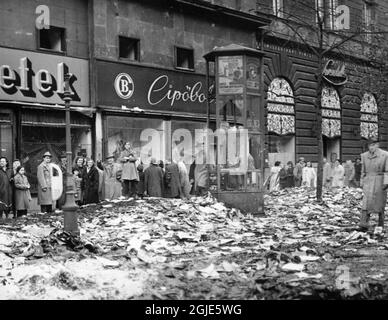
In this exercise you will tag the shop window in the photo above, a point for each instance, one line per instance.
(145, 135)
(184, 58)
(369, 127)
(369, 19)
(325, 9)
(37, 139)
(52, 39)
(129, 48)
(281, 121)
(6, 140)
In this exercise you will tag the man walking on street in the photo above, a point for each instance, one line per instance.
(374, 181)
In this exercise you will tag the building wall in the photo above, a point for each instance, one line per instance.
(160, 28)
(17, 24)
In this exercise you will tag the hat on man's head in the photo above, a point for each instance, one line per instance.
(153, 161)
(47, 154)
(372, 140)
(63, 155)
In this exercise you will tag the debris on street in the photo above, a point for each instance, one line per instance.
(198, 249)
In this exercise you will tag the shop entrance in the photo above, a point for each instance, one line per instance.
(331, 148)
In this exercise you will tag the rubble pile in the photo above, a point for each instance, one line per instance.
(197, 249)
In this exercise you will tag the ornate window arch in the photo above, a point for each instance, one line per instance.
(331, 112)
(280, 107)
(369, 116)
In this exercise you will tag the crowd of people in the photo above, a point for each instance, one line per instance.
(112, 179)
(335, 175)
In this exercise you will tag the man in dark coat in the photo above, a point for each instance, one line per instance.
(192, 177)
(153, 180)
(90, 183)
(172, 182)
(5, 187)
(63, 165)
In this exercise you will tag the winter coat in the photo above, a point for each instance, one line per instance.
(5, 189)
(22, 192)
(274, 180)
(129, 166)
(89, 185)
(309, 177)
(290, 181)
(153, 181)
(338, 176)
(61, 201)
(327, 176)
(44, 181)
(298, 172)
(283, 178)
(172, 182)
(184, 179)
(374, 174)
(140, 186)
(349, 173)
(111, 185)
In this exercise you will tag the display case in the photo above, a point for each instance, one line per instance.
(236, 176)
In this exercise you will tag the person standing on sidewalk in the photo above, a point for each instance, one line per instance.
(374, 181)
(130, 175)
(45, 199)
(22, 192)
(5, 187)
(298, 172)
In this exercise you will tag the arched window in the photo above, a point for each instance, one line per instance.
(331, 112)
(369, 118)
(280, 107)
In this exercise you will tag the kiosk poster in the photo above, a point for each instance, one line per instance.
(230, 75)
(253, 75)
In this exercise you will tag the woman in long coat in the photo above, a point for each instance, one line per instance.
(44, 184)
(22, 192)
(153, 179)
(90, 182)
(130, 175)
(5, 187)
(274, 180)
(184, 179)
(111, 179)
(173, 188)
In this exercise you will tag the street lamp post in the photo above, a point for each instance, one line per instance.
(69, 208)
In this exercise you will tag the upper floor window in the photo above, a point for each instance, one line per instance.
(129, 48)
(52, 39)
(184, 58)
(278, 8)
(326, 12)
(369, 18)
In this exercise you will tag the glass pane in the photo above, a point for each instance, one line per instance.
(6, 141)
(145, 135)
(37, 140)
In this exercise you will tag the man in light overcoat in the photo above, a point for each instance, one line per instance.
(374, 181)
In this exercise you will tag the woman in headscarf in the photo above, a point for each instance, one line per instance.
(22, 192)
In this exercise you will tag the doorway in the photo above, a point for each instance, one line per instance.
(331, 148)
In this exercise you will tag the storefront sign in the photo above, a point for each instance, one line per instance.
(149, 88)
(334, 73)
(37, 77)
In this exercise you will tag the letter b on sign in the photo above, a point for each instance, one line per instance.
(124, 86)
